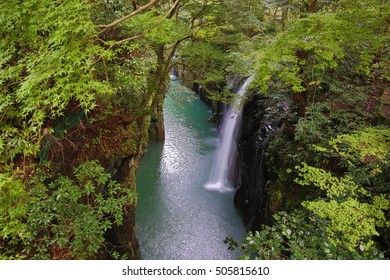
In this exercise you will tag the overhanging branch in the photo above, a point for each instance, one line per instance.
(167, 16)
(133, 13)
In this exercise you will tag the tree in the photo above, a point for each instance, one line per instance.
(60, 77)
(45, 64)
(318, 43)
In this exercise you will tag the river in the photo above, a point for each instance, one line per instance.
(177, 217)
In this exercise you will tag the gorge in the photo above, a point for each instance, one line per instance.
(177, 218)
(86, 96)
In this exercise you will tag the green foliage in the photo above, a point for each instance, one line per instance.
(344, 211)
(301, 54)
(320, 42)
(221, 32)
(13, 208)
(47, 55)
(370, 144)
(354, 205)
(291, 237)
(353, 224)
(297, 236)
(364, 155)
(316, 126)
(353, 213)
(59, 57)
(56, 63)
(334, 187)
(67, 215)
(206, 59)
(331, 57)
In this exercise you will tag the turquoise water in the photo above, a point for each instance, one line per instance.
(177, 217)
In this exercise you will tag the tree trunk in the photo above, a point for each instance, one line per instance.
(312, 6)
(299, 99)
(157, 131)
(160, 126)
(284, 18)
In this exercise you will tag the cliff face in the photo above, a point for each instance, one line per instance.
(117, 142)
(261, 118)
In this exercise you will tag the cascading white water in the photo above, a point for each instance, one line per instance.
(218, 180)
(173, 74)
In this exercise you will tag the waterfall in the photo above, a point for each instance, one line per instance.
(225, 153)
(173, 75)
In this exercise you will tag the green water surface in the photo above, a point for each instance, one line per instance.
(177, 218)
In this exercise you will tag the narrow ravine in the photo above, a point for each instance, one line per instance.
(177, 217)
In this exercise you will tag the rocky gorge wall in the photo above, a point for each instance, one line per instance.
(262, 117)
(118, 143)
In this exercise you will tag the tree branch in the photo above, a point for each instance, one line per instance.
(133, 13)
(173, 50)
(152, 27)
(170, 13)
(127, 39)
